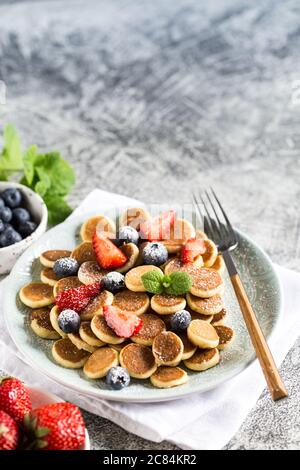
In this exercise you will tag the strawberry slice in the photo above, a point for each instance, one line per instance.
(109, 256)
(192, 248)
(123, 323)
(159, 227)
(78, 298)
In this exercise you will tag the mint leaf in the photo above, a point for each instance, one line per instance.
(29, 159)
(11, 155)
(58, 208)
(59, 172)
(152, 282)
(180, 283)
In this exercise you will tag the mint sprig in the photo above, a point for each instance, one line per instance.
(177, 283)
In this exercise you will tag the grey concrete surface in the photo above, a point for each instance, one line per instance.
(154, 99)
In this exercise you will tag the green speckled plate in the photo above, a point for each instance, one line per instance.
(261, 283)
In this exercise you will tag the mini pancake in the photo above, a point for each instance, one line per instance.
(99, 363)
(189, 348)
(37, 295)
(132, 252)
(41, 324)
(133, 279)
(207, 283)
(87, 335)
(95, 306)
(165, 304)
(134, 217)
(203, 359)
(54, 314)
(48, 276)
(66, 283)
(167, 349)
(219, 318)
(211, 253)
(219, 264)
(201, 235)
(100, 223)
(202, 334)
(176, 264)
(90, 272)
(138, 360)
(49, 257)
(209, 306)
(84, 252)
(119, 347)
(151, 327)
(101, 329)
(67, 355)
(132, 302)
(167, 377)
(199, 316)
(226, 336)
(80, 344)
(181, 230)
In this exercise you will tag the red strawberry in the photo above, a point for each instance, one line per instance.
(58, 426)
(78, 298)
(192, 248)
(109, 256)
(159, 227)
(14, 399)
(124, 324)
(9, 432)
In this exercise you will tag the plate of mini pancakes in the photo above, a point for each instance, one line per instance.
(163, 364)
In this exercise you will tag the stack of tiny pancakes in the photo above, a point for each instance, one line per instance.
(155, 352)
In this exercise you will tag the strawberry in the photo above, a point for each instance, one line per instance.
(109, 256)
(14, 399)
(58, 426)
(9, 432)
(123, 323)
(192, 248)
(159, 227)
(78, 298)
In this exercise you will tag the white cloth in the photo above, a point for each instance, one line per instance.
(201, 421)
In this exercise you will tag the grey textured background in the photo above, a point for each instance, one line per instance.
(153, 99)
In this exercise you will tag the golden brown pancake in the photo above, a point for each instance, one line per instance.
(219, 318)
(202, 334)
(99, 222)
(167, 349)
(67, 355)
(166, 377)
(49, 257)
(226, 336)
(209, 306)
(138, 360)
(80, 343)
(84, 252)
(175, 264)
(41, 324)
(90, 272)
(133, 279)
(219, 264)
(99, 363)
(199, 316)
(165, 304)
(87, 335)
(206, 283)
(203, 359)
(180, 231)
(188, 348)
(37, 295)
(66, 283)
(95, 306)
(48, 276)
(54, 314)
(152, 326)
(119, 347)
(134, 216)
(106, 334)
(133, 302)
(201, 235)
(132, 253)
(211, 253)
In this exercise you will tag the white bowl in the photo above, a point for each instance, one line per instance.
(40, 398)
(34, 203)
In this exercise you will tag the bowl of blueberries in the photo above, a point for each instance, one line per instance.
(23, 219)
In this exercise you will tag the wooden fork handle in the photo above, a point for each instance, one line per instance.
(264, 355)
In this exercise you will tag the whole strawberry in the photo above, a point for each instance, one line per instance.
(9, 432)
(59, 426)
(14, 399)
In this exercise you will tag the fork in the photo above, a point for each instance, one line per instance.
(219, 229)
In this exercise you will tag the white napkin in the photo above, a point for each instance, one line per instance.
(201, 421)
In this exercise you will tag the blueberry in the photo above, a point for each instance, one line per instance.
(180, 320)
(20, 216)
(5, 214)
(113, 282)
(69, 321)
(27, 228)
(118, 378)
(12, 197)
(65, 267)
(9, 237)
(127, 235)
(155, 253)
(2, 226)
